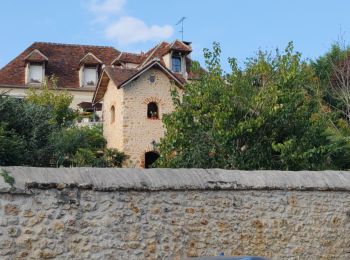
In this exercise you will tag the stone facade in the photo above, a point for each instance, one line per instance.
(116, 214)
(132, 131)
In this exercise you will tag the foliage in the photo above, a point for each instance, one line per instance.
(25, 132)
(36, 138)
(58, 100)
(266, 116)
(84, 146)
(114, 158)
(11, 147)
(333, 72)
(7, 177)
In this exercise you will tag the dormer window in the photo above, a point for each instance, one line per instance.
(176, 63)
(89, 66)
(35, 67)
(90, 76)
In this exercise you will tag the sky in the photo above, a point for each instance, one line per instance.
(241, 27)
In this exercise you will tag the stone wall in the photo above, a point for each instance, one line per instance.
(87, 213)
(139, 131)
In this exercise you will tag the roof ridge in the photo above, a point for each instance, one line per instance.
(133, 53)
(155, 47)
(181, 42)
(150, 55)
(74, 45)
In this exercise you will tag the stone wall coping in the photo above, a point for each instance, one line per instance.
(112, 179)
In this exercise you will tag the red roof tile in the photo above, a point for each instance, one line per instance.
(63, 61)
(116, 74)
(130, 58)
(180, 46)
(90, 59)
(36, 56)
(121, 76)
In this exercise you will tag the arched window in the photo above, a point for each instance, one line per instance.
(150, 158)
(152, 110)
(112, 114)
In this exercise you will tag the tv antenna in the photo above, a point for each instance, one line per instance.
(182, 27)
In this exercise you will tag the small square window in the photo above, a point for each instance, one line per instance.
(152, 78)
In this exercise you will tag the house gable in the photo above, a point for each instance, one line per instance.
(122, 77)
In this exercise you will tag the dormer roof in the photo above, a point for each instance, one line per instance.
(180, 46)
(36, 56)
(90, 59)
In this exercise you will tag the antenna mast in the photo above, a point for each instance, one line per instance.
(182, 27)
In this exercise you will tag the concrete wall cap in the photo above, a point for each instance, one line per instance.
(111, 179)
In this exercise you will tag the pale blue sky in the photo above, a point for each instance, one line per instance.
(242, 27)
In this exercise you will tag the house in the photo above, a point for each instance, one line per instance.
(76, 67)
(134, 89)
(136, 92)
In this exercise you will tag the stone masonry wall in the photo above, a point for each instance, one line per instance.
(173, 214)
(132, 132)
(113, 129)
(139, 131)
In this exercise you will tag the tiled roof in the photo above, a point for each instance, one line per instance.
(121, 76)
(157, 52)
(63, 61)
(116, 74)
(90, 59)
(130, 58)
(180, 46)
(36, 56)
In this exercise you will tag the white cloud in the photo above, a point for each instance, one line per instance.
(128, 30)
(106, 7)
(125, 29)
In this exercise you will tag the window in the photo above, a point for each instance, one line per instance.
(176, 63)
(152, 110)
(152, 78)
(90, 77)
(35, 73)
(112, 114)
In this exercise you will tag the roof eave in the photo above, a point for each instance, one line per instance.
(147, 67)
(104, 72)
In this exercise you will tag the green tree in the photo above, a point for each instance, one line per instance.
(267, 116)
(57, 99)
(11, 148)
(84, 146)
(25, 132)
(75, 141)
(333, 72)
